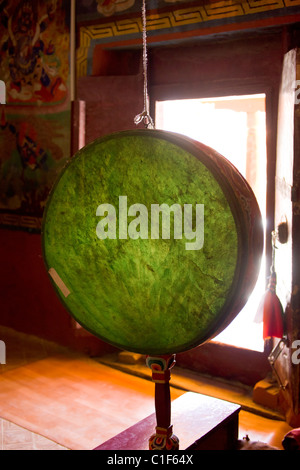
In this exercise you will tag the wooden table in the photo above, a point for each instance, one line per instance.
(200, 422)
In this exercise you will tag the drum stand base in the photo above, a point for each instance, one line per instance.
(201, 422)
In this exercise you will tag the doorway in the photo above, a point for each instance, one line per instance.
(235, 126)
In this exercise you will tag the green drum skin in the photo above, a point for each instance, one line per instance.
(139, 280)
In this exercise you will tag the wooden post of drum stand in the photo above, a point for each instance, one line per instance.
(163, 439)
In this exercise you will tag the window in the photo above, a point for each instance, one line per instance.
(235, 126)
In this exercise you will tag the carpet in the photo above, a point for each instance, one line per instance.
(73, 400)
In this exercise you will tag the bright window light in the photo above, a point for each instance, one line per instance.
(235, 126)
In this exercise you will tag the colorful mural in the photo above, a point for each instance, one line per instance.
(34, 48)
(33, 149)
(35, 122)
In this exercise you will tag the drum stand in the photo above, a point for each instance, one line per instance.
(202, 422)
(163, 439)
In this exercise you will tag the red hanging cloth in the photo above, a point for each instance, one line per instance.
(3, 118)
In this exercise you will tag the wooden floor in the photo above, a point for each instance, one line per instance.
(29, 356)
(14, 437)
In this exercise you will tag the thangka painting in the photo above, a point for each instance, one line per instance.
(35, 121)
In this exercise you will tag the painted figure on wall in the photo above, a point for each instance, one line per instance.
(30, 162)
(32, 62)
(35, 122)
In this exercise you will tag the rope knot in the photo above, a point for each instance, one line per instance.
(144, 116)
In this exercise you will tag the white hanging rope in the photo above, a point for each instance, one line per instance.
(145, 115)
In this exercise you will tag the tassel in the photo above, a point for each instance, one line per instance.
(270, 310)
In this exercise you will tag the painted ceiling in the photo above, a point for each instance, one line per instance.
(118, 23)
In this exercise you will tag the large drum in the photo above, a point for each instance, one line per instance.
(152, 241)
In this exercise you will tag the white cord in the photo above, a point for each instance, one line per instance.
(145, 115)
